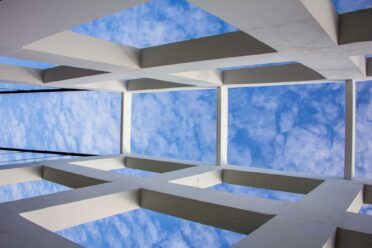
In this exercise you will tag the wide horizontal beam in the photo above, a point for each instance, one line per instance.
(24, 22)
(214, 47)
(61, 73)
(147, 84)
(19, 175)
(271, 74)
(294, 184)
(69, 179)
(154, 165)
(76, 50)
(207, 207)
(32, 236)
(16, 74)
(68, 214)
(355, 26)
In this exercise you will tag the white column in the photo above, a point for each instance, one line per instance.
(222, 125)
(126, 122)
(350, 102)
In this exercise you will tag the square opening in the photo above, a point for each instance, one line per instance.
(147, 228)
(156, 22)
(134, 172)
(297, 128)
(257, 192)
(179, 125)
(366, 209)
(363, 151)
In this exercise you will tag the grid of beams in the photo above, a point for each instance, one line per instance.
(325, 47)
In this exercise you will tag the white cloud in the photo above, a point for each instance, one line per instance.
(155, 22)
(175, 124)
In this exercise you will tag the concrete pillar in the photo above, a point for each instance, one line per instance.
(222, 125)
(126, 122)
(350, 111)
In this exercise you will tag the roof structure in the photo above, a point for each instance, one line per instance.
(321, 46)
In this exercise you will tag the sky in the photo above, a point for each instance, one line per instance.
(296, 128)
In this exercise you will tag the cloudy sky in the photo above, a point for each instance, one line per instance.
(295, 128)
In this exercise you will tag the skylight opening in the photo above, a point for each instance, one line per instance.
(24, 63)
(258, 65)
(180, 125)
(366, 209)
(146, 228)
(154, 23)
(257, 192)
(363, 129)
(62, 125)
(344, 6)
(13, 157)
(17, 191)
(134, 172)
(296, 128)
(16, 86)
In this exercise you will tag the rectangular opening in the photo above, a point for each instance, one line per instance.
(134, 172)
(366, 209)
(179, 125)
(15, 157)
(146, 228)
(17, 191)
(258, 192)
(363, 167)
(298, 128)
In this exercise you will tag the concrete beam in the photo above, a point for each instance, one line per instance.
(24, 22)
(207, 207)
(284, 232)
(349, 238)
(61, 73)
(269, 22)
(69, 179)
(19, 232)
(355, 26)
(151, 85)
(14, 74)
(369, 67)
(111, 85)
(20, 175)
(200, 180)
(338, 68)
(294, 184)
(208, 48)
(66, 215)
(367, 193)
(110, 163)
(154, 165)
(271, 74)
(350, 116)
(68, 48)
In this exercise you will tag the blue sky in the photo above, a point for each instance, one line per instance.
(155, 23)
(295, 128)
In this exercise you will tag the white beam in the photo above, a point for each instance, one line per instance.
(14, 74)
(350, 111)
(126, 122)
(23, 22)
(222, 125)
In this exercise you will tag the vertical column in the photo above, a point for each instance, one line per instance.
(350, 111)
(126, 122)
(222, 125)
